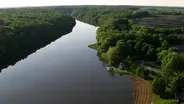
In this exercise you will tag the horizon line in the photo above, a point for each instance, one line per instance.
(86, 5)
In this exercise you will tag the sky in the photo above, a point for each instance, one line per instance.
(23, 3)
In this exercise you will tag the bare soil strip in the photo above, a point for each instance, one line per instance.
(142, 91)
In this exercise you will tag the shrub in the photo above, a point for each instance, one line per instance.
(170, 102)
(159, 86)
(140, 71)
(146, 73)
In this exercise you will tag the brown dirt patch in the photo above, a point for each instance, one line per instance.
(142, 91)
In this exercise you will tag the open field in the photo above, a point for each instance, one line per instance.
(142, 91)
(163, 21)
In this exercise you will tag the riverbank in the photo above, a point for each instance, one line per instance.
(142, 89)
(142, 86)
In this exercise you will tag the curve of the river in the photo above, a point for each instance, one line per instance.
(64, 72)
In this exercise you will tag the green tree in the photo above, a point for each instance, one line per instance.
(146, 73)
(105, 56)
(140, 71)
(173, 62)
(159, 85)
(164, 45)
(177, 84)
(138, 46)
(128, 58)
(113, 56)
(162, 54)
(174, 40)
(173, 49)
(108, 42)
(151, 53)
(170, 102)
(131, 42)
(104, 46)
(123, 49)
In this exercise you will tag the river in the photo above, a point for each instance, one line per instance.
(64, 72)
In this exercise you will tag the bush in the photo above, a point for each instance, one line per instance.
(146, 73)
(128, 58)
(170, 102)
(159, 86)
(153, 73)
(121, 72)
(140, 71)
(177, 84)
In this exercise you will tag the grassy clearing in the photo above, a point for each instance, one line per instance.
(93, 46)
(121, 72)
(158, 100)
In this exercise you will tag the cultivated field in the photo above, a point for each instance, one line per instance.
(163, 21)
(142, 91)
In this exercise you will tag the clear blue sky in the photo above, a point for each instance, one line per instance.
(20, 3)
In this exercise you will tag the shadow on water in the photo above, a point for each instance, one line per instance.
(111, 73)
(33, 44)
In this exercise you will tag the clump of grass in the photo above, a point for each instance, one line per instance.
(158, 100)
(121, 72)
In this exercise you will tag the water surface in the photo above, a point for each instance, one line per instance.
(64, 72)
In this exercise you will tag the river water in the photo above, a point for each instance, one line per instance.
(64, 72)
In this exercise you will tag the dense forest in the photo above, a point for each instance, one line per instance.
(139, 35)
(24, 30)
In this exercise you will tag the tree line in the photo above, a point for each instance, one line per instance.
(24, 30)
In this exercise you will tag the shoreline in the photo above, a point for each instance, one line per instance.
(142, 89)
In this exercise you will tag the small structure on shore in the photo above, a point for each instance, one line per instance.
(110, 68)
(121, 66)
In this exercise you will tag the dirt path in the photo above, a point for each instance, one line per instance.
(150, 69)
(142, 91)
